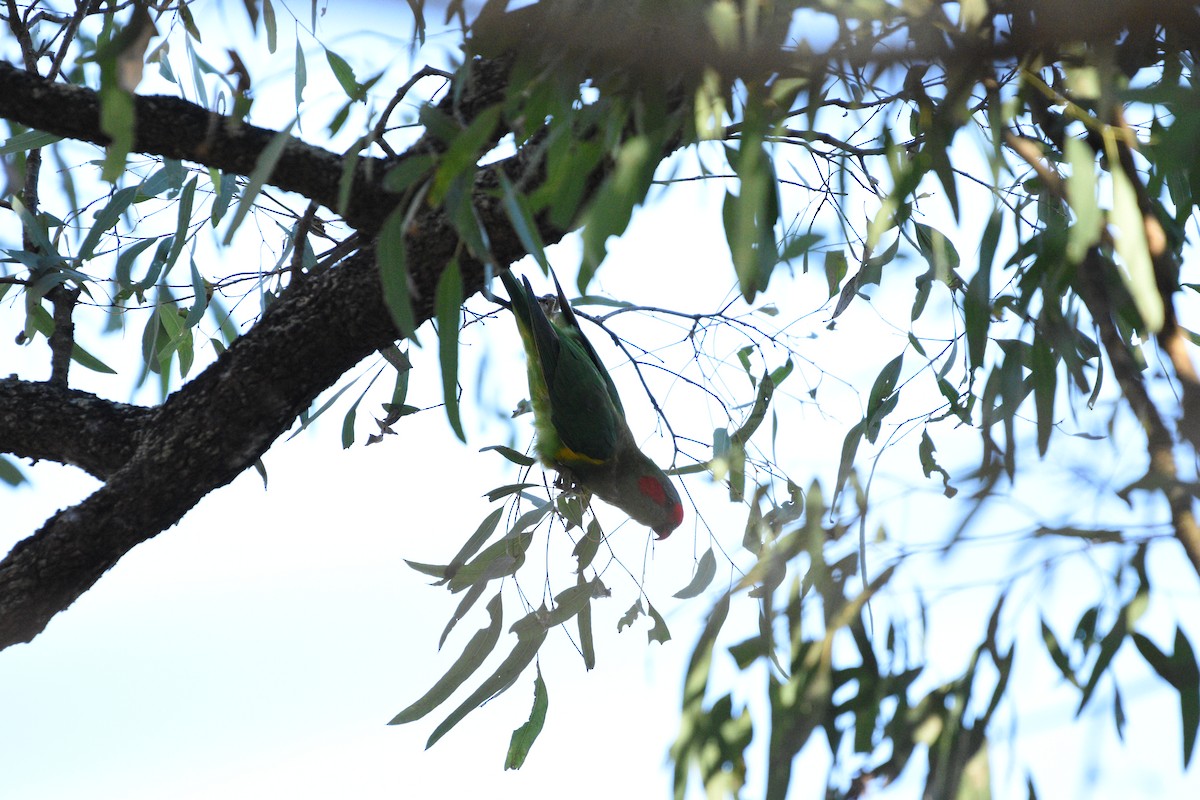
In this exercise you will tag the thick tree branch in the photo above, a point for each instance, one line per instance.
(52, 423)
(175, 128)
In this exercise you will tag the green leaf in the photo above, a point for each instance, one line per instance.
(433, 570)
(259, 176)
(407, 171)
(1180, 671)
(106, 218)
(36, 230)
(1054, 649)
(512, 455)
(630, 616)
(464, 151)
(475, 541)
(10, 473)
(929, 464)
(1184, 664)
(31, 139)
(939, 251)
(471, 597)
(351, 414)
(506, 490)
(798, 245)
(524, 736)
(117, 122)
(499, 681)
(183, 219)
(1108, 648)
(836, 267)
(345, 75)
(478, 649)
(225, 186)
(499, 560)
(393, 273)
(271, 26)
(883, 398)
(1044, 373)
(586, 548)
(659, 632)
(570, 509)
(569, 602)
(301, 75)
(706, 569)
(85, 359)
(612, 206)
(849, 450)
(586, 646)
(448, 309)
(1081, 195)
(418, 9)
(516, 207)
(977, 314)
(766, 389)
(1134, 251)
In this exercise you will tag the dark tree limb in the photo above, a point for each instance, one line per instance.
(62, 339)
(52, 423)
(175, 128)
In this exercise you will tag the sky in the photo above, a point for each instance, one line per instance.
(260, 646)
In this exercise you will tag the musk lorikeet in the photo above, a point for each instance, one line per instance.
(578, 417)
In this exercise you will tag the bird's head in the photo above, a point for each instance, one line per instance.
(663, 512)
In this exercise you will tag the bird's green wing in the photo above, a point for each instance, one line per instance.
(568, 383)
(571, 324)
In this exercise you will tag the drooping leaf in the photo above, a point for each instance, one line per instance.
(611, 208)
(470, 598)
(506, 490)
(28, 140)
(630, 616)
(506, 674)
(344, 74)
(478, 649)
(106, 218)
(10, 473)
(569, 602)
(524, 736)
(706, 569)
(448, 310)
(391, 255)
(1134, 250)
(586, 548)
(259, 177)
(1081, 194)
(659, 633)
(498, 560)
(512, 455)
(586, 646)
(301, 80)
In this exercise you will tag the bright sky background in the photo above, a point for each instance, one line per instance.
(258, 648)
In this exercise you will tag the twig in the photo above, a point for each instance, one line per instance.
(62, 339)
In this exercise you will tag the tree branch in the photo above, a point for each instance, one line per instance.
(53, 423)
(175, 128)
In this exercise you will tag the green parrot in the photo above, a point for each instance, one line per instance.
(578, 417)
